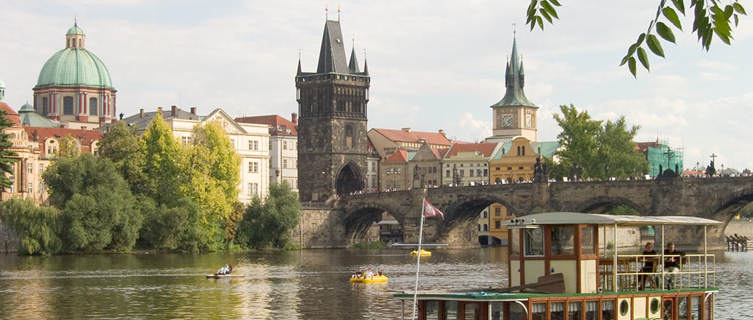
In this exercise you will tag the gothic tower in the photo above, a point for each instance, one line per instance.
(514, 115)
(332, 108)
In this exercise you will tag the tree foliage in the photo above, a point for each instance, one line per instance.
(125, 149)
(268, 224)
(591, 149)
(162, 157)
(36, 227)
(174, 228)
(710, 17)
(69, 147)
(6, 155)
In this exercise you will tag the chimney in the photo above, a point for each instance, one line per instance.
(441, 131)
(173, 111)
(406, 129)
(294, 118)
(159, 110)
(141, 113)
(193, 110)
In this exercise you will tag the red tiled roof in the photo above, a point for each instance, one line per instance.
(277, 124)
(398, 156)
(485, 148)
(12, 115)
(85, 137)
(643, 146)
(435, 138)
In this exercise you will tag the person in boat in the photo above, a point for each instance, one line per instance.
(368, 273)
(379, 272)
(648, 265)
(229, 268)
(672, 264)
(223, 270)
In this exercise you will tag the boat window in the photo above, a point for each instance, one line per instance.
(682, 308)
(562, 240)
(450, 310)
(557, 311)
(573, 310)
(517, 312)
(514, 245)
(587, 245)
(709, 310)
(533, 240)
(472, 311)
(607, 310)
(432, 310)
(695, 308)
(538, 311)
(592, 310)
(496, 311)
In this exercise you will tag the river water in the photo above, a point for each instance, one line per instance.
(308, 284)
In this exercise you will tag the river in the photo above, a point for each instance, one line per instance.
(308, 284)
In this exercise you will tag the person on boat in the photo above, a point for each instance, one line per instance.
(648, 265)
(379, 272)
(672, 264)
(223, 270)
(369, 273)
(229, 268)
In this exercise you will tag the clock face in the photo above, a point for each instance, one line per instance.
(506, 120)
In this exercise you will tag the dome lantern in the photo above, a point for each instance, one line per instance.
(74, 38)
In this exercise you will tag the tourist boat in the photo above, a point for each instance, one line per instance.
(372, 279)
(223, 276)
(424, 253)
(557, 270)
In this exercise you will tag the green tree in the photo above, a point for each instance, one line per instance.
(162, 156)
(98, 209)
(176, 228)
(69, 147)
(126, 150)
(616, 151)
(268, 224)
(709, 18)
(6, 155)
(36, 227)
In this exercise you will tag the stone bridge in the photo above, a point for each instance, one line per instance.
(715, 198)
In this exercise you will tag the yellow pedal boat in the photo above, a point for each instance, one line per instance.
(424, 253)
(373, 279)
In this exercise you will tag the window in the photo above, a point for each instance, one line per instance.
(557, 311)
(592, 310)
(470, 173)
(348, 136)
(607, 310)
(478, 172)
(587, 240)
(45, 106)
(93, 106)
(185, 140)
(533, 242)
(682, 308)
(253, 189)
(67, 105)
(447, 173)
(284, 145)
(253, 145)
(486, 172)
(41, 168)
(253, 167)
(562, 240)
(30, 168)
(284, 163)
(497, 211)
(514, 245)
(486, 227)
(497, 225)
(538, 311)
(573, 310)
(432, 309)
(695, 308)
(29, 187)
(483, 214)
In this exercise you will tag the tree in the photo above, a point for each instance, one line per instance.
(6, 155)
(709, 18)
(178, 227)
(98, 210)
(162, 156)
(268, 224)
(617, 152)
(69, 147)
(126, 150)
(36, 227)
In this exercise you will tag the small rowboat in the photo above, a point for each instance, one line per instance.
(222, 276)
(424, 253)
(373, 279)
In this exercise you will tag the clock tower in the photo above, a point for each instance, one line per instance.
(514, 115)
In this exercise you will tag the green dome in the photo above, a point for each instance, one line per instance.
(74, 67)
(75, 30)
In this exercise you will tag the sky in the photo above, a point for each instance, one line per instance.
(433, 64)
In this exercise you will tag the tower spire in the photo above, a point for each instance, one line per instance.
(353, 64)
(514, 79)
(365, 63)
(338, 12)
(299, 62)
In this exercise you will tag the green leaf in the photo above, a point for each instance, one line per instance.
(555, 2)
(548, 7)
(728, 10)
(541, 22)
(737, 20)
(665, 32)
(739, 8)
(640, 39)
(643, 58)
(654, 45)
(546, 15)
(631, 66)
(672, 17)
(679, 5)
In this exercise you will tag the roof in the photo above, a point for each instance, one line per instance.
(86, 137)
(434, 138)
(30, 118)
(485, 148)
(514, 82)
(353, 64)
(548, 148)
(75, 30)
(278, 126)
(332, 52)
(11, 114)
(605, 219)
(74, 67)
(643, 146)
(142, 122)
(401, 155)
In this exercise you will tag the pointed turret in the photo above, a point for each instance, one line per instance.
(365, 66)
(299, 66)
(332, 52)
(514, 76)
(353, 64)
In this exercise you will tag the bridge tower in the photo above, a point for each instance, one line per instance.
(332, 104)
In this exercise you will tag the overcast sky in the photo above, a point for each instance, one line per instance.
(433, 64)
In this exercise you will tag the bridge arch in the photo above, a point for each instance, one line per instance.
(357, 221)
(603, 204)
(729, 207)
(461, 215)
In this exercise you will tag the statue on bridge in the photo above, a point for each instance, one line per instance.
(711, 170)
(540, 174)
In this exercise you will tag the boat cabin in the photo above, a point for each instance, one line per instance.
(569, 265)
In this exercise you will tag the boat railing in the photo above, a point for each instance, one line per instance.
(694, 271)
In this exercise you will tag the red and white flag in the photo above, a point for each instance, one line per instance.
(431, 211)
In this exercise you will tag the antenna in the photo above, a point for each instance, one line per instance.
(513, 29)
(338, 12)
(326, 12)
(75, 21)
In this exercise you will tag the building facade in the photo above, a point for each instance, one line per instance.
(249, 140)
(387, 141)
(372, 169)
(467, 164)
(74, 86)
(332, 105)
(283, 150)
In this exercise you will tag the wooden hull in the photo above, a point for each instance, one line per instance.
(374, 279)
(222, 276)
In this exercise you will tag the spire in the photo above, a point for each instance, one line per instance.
(365, 63)
(299, 66)
(353, 64)
(514, 81)
(332, 52)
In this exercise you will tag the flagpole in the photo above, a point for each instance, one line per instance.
(418, 256)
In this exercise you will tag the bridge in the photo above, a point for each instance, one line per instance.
(717, 198)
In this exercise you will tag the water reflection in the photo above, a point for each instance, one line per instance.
(311, 284)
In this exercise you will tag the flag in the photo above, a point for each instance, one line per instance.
(431, 211)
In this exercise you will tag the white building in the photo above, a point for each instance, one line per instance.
(250, 141)
(283, 147)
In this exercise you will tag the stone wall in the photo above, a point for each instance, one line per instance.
(8, 240)
(319, 228)
(741, 227)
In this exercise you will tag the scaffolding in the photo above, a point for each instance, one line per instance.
(662, 157)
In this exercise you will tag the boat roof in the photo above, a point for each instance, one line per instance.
(512, 296)
(604, 219)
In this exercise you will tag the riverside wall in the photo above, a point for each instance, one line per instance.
(8, 240)
(741, 227)
(319, 228)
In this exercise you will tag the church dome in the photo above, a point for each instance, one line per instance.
(74, 66)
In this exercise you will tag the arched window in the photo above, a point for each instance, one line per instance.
(93, 106)
(68, 105)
